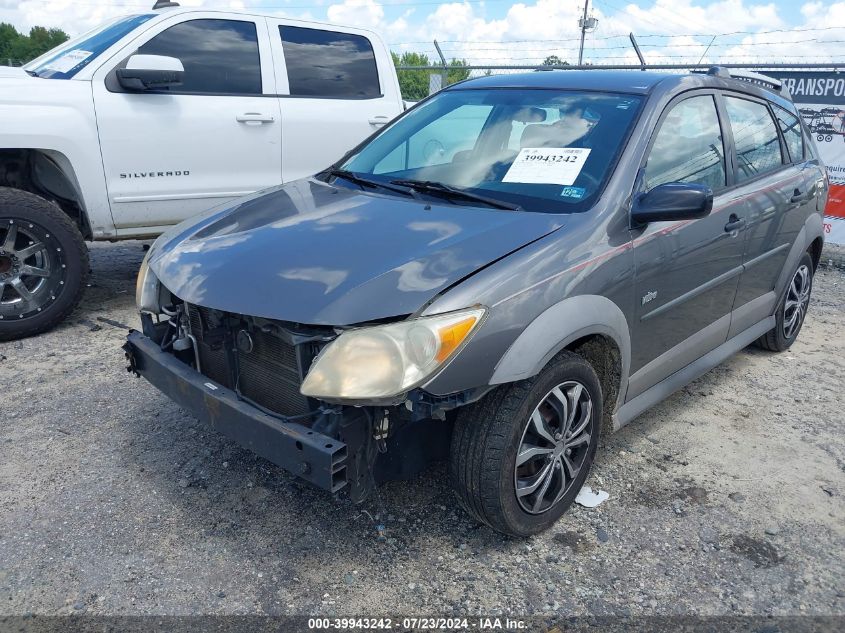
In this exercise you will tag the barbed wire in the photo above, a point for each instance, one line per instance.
(639, 36)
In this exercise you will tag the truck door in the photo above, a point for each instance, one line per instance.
(335, 89)
(169, 154)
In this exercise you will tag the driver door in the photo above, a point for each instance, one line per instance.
(686, 273)
(172, 153)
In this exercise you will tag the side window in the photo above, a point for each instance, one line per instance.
(755, 137)
(329, 64)
(792, 134)
(219, 56)
(688, 146)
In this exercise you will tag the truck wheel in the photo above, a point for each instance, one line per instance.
(43, 263)
(792, 310)
(520, 455)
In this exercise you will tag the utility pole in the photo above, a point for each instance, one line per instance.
(583, 33)
(586, 24)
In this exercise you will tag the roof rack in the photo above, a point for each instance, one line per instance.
(759, 79)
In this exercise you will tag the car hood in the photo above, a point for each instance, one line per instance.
(311, 253)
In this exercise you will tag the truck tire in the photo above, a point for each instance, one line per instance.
(43, 264)
(520, 455)
(792, 309)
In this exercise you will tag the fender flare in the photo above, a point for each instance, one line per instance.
(560, 325)
(812, 230)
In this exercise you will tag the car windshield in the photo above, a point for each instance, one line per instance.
(541, 150)
(69, 58)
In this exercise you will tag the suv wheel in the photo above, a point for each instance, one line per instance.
(792, 310)
(43, 263)
(520, 455)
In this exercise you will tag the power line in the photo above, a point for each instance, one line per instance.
(507, 48)
(647, 35)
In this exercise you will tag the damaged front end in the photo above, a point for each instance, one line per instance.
(243, 375)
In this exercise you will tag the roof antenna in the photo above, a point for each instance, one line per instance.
(637, 49)
(164, 4)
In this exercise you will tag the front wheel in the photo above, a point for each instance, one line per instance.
(43, 264)
(792, 309)
(520, 455)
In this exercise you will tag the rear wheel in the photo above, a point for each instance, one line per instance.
(43, 263)
(520, 456)
(792, 310)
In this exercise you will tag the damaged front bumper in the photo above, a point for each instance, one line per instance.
(320, 459)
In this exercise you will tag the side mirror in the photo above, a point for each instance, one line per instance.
(150, 72)
(672, 201)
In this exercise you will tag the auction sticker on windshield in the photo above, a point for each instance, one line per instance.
(68, 61)
(547, 165)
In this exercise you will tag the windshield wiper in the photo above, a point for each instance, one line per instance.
(31, 73)
(363, 182)
(447, 191)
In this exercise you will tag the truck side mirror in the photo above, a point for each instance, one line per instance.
(672, 201)
(150, 72)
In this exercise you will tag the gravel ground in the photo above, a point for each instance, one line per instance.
(728, 498)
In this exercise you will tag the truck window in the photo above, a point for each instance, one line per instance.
(688, 146)
(329, 64)
(219, 56)
(755, 137)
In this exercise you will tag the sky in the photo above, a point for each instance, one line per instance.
(504, 32)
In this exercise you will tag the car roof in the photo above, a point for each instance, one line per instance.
(625, 81)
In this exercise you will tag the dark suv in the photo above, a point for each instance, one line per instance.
(514, 265)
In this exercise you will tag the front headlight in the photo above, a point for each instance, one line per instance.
(387, 360)
(147, 290)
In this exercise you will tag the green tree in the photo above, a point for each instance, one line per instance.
(554, 60)
(458, 71)
(22, 48)
(414, 83)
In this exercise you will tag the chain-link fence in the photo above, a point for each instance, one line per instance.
(417, 82)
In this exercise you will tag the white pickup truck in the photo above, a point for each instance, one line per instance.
(156, 116)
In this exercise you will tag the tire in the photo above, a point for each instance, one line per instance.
(39, 287)
(789, 317)
(488, 435)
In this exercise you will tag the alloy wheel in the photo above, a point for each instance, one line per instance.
(553, 447)
(797, 301)
(30, 274)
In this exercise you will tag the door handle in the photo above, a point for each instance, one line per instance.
(734, 223)
(797, 196)
(379, 120)
(254, 118)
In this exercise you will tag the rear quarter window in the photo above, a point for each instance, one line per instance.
(790, 127)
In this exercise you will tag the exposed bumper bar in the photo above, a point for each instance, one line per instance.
(312, 456)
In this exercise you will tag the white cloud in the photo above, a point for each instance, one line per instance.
(529, 31)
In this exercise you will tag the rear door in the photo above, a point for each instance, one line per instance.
(336, 87)
(170, 154)
(777, 191)
(686, 272)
